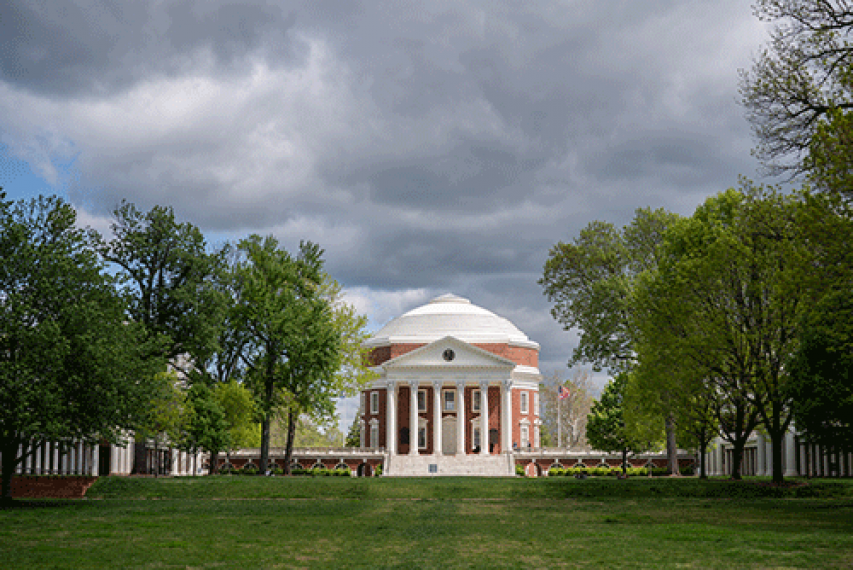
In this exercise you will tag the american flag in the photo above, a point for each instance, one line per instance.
(562, 392)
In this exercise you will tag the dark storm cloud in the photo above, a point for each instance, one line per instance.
(427, 146)
(95, 48)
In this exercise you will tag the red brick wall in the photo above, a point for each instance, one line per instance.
(367, 416)
(51, 487)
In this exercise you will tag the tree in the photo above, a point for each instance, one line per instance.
(800, 81)
(206, 428)
(605, 427)
(71, 367)
(238, 406)
(168, 277)
(353, 434)
(727, 300)
(590, 283)
(292, 349)
(571, 412)
(822, 373)
(164, 420)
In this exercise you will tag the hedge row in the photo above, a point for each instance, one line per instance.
(314, 472)
(613, 471)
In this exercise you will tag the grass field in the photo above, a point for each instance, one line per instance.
(238, 522)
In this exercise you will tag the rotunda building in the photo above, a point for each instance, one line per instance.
(454, 380)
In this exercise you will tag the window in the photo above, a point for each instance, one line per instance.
(449, 401)
(374, 402)
(422, 401)
(374, 435)
(475, 401)
(422, 437)
(536, 403)
(476, 437)
(525, 437)
(524, 403)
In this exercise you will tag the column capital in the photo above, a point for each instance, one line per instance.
(390, 384)
(460, 384)
(508, 383)
(437, 385)
(413, 383)
(484, 385)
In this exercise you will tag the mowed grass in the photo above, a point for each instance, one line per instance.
(234, 522)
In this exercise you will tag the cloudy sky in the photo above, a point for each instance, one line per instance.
(429, 147)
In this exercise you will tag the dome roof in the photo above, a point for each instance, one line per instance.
(449, 315)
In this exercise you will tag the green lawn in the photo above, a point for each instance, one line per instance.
(234, 522)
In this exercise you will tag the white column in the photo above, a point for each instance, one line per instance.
(761, 452)
(54, 449)
(460, 418)
(413, 417)
(506, 416)
(484, 418)
(37, 452)
(391, 418)
(436, 419)
(790, 455)
(96, 456)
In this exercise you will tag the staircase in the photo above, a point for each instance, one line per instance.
(501, 465)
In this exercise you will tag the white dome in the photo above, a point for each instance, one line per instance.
(449, 315)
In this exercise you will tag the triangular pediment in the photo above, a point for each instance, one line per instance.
(449, 353)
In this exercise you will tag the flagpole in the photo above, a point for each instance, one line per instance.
(559, 420)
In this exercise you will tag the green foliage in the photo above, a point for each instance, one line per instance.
(354, 434)
(71, 367)
(590, 280)
(605, 428)
(822, 373)
(519, 470)
(167, 276)
(206, 427)
(292, 346)
(239, 409)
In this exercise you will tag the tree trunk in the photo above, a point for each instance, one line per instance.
(737, 457)
(291, 432)
(265, 439)
(776, 442)
(671, 447)
(703, 450)
(624, 462)
(214, 461)
(10, 460)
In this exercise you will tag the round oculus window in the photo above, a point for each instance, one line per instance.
(448, 354)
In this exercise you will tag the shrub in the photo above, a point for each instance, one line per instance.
(378, 470)
(250, 469)
(519, 470)
(688, 470)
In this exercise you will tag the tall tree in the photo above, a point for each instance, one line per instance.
(605, 427)
(590, 283)
(800, 81)
(71, 367)
(168, 276)
(292, 349)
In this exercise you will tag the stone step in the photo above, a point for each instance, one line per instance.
(450, 465)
